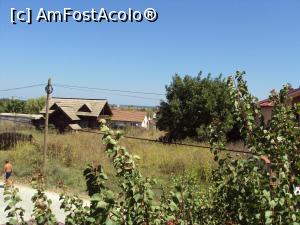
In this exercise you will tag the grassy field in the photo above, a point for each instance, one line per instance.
(68, 154)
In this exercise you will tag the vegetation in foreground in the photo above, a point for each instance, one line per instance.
(242, 191)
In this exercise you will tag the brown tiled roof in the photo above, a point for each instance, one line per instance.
(292, 93)
(128, 115)
(71, 106)
(265, 103)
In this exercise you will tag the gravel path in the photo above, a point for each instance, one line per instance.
(26, 193)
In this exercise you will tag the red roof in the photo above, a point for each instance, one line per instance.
(128, 115)
(265, 103)
(292, 93)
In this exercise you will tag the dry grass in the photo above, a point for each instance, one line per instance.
(68, 154)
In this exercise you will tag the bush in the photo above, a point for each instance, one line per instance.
(244, 191)
(193, 103)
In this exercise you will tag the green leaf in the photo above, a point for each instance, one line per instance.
(268, 214)
(173, 206)
(102, 204)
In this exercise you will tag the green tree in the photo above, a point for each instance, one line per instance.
(31, 106)
(15, 106)
(34, 105)
(3, 103)
(192, 104)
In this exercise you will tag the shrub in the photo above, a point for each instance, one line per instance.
(244, 191)
(191, 106)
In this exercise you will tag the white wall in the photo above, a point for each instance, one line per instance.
(144, 124)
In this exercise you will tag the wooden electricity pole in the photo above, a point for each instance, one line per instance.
(49, 90)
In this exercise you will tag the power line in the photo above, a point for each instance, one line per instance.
(106, 89)
(171, 143)
(146, 139)
(97, 91)
(23, 87)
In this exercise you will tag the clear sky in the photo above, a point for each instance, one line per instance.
(260, 37)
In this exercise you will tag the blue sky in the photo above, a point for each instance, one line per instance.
(260, 37)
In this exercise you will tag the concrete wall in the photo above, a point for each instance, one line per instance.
(144, 124)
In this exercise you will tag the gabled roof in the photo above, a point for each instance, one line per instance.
(85, 108)
(292, 93)
(68, 111)
(128, 115)
(71, 106)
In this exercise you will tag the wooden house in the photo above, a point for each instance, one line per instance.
(65, 113)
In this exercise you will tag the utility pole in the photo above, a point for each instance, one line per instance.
(49, 90)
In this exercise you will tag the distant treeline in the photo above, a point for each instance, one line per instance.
(31, 106)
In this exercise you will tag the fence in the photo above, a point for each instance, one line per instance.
(10, 139)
